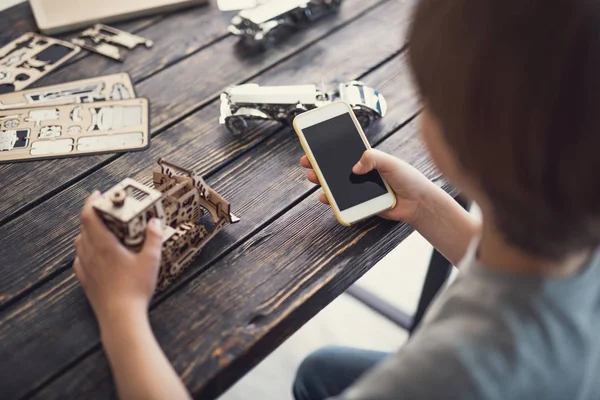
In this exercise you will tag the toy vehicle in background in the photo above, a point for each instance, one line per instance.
(236, 5)
(268, 18)
(179, 199)
(244, 103)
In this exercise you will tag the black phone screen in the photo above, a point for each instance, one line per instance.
(337, 146)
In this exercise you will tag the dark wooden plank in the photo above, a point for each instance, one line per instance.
(253, 299)
(19, 20)
(77, 62)
(16, 21)
(268, 175)
(176, 36)
(174, 93)
(48, 243)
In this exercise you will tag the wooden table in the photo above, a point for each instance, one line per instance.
(259, 280)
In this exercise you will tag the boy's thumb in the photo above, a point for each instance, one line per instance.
(153, 243)
(373, 159)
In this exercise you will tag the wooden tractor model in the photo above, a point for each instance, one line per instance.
(190, 211)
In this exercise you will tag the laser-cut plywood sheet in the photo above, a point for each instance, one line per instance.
(102, 88)
(31, 57)
(71, 130)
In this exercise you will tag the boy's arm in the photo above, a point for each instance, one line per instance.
(140, 368)
(119, 285)
(420, 203)
(445, 224)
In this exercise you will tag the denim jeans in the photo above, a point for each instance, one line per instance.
(329, 371)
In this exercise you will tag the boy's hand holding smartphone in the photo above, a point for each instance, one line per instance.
(410, 186)
(366, 182)
(333, 141)
(358, 181)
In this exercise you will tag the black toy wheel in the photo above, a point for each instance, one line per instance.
(292, 114)
(364, 119)
(236, 125)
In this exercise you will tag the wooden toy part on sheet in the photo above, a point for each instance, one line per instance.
(75, 129)
(102, 88)
(29, 58)
(190, 211)
(102, 39)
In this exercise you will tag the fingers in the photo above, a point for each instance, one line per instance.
(323, 199)
(312, 177)
(305, 163)
(78, 270)
(91, 224)
(375, 159)
(153, 243)
(81, 244)
(77, 244)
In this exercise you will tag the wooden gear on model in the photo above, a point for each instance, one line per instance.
(180, 199)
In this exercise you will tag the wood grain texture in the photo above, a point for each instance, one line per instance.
(277, 280)
(175, 36)
(16, 21)
(19, 20)
(263, 183)
(78, 63)
(46, 326)
(198, 143)
(174, 92)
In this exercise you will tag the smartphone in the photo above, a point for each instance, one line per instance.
(334, 142)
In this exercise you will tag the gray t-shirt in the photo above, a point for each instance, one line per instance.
(493, 335)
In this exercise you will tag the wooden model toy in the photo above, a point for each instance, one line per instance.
(230, 5)
(75, 129)
(180, 199)
(269, 18)
(240, 104)
(29, 58)
(59, 16)
(102, 88)
(102, 39)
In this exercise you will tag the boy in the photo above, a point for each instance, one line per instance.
(510, 93)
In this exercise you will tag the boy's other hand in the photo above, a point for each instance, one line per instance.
(410, 186)
(116, 280)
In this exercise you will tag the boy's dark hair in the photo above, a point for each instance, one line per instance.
(515, 85)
